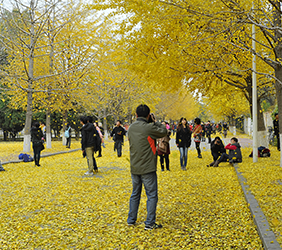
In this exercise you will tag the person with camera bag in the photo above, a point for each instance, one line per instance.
(164, 150)
(217, 149)
(142, 135)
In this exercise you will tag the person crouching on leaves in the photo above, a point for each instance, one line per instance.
(37, 140)
(183, 141)
(235, 154)
(217, 149)
(164, 150)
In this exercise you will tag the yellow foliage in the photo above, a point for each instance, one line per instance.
(55, 206)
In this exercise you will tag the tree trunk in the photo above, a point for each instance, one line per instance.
(28, 117)
(27, 127)
(105, 125)
(65, 122)
(278, 87)
(262, 133)
(48, 129)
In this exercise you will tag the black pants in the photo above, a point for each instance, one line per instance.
(198, 148)
(278, 142)
(36, 151)
(68, 142)
(166, 158)
(215, 156)
(100, 149)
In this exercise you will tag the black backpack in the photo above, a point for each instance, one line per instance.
(98, 141)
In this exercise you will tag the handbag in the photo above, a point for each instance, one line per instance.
(197, 138)
(162, 145)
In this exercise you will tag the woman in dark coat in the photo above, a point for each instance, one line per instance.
(183, 141)
(37, 142)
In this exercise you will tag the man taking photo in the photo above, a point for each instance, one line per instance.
(142, 135)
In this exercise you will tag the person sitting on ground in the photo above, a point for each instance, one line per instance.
(217, 149)
(235, 154)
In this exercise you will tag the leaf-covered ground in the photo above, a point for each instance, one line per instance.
(56, 207)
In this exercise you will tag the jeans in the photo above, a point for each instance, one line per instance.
(119, 147)
(166, 158)
(223, 158)
(151, 187)
(183, 156)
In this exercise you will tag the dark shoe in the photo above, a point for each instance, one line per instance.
(199, 156)
(162, 169)
(155, 226)
(38, 165)
(99, 156)
(131, 224)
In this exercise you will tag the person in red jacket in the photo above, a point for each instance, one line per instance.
(234, 155)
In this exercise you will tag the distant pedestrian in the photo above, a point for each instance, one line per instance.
(118, 133)
(208, 128)
(276, 130)
(197, 132)
(43, 128)
(183, 141)
(88, 132)
(225, 129)
(68, 135)
(217, 149)
(142, 137)
(37, 142)
(203, 132)
(234, 155)
(164, 150)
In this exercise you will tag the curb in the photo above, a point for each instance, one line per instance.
(267, 236)
(41, 156)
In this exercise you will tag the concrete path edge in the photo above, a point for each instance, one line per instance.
(41, 156)
(267, 236)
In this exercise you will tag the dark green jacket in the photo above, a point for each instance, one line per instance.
(142, 141)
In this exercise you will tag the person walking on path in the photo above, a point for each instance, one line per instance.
(88, 133)
(183, 141)
(276, 129)
(197, 135)
(164, 150)
(217, 149)
(68, 135)
(118, 133)
(37, 142)
(235, 154)
(142, 137)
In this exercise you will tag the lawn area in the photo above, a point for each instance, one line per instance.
(56, 207)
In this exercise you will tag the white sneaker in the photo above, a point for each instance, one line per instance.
(89, 173)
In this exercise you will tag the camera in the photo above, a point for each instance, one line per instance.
(151, 118)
